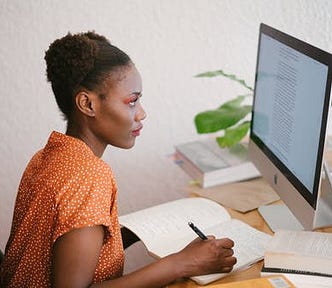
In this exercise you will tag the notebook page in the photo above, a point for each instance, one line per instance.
(161, 226)
(249, 246)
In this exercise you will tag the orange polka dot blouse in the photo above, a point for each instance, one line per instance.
(64, 187)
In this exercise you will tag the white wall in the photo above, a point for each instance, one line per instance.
(170, 41)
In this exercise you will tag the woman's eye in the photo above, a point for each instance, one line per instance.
(133, 101)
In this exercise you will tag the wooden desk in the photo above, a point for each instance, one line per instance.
(254, 219)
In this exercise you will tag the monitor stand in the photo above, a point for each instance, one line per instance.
(323, 215)
(278, 216)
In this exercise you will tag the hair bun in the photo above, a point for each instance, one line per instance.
(83, 60)
(70, 58)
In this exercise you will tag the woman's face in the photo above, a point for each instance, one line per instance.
(119, 114)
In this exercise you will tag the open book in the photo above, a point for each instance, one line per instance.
(164, 230)
(300, 250)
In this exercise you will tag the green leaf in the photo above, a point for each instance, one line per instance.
(222, 118)
(233, 103)
(234, 135)
(229, 76)
(236, 102)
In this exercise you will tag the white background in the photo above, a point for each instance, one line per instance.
(170, 41)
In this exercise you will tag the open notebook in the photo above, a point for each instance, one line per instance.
(164, 230)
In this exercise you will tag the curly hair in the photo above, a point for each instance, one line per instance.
(82, 60)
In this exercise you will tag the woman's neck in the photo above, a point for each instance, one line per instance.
(87, 137)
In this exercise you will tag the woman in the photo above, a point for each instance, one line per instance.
(65, 230)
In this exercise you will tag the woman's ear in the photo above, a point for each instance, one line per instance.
(84, 102)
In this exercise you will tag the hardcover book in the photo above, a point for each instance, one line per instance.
(208, 164)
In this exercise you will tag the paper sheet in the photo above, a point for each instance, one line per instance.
(242, 196)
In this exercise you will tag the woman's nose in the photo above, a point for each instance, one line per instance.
(141, 115)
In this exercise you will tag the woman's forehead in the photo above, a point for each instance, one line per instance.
(126, 79)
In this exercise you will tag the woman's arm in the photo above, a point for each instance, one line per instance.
(75, 256)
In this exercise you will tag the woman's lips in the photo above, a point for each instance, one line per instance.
(137, 131)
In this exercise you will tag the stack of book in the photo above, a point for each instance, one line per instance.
(304, 257)
(209, 165)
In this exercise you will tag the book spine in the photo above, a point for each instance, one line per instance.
(292, 271)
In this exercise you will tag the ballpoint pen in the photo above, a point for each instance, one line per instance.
(197, 231)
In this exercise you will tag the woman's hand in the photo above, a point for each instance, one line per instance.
(207, 256)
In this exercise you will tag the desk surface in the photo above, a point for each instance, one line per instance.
(254, 219)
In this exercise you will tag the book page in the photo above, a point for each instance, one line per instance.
(308, 281)
(274, 281)
(164, 230)
(248, 249)
(249, 245)
(165, 224)
(304, 280)
(304, 243)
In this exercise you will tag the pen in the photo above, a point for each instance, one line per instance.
(197, 231)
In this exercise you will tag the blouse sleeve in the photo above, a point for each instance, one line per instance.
(86, 203)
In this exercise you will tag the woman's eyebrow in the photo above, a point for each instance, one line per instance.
(137, 93)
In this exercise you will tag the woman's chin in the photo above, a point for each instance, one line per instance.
(128, 145)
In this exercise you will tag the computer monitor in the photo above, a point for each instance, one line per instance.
(289, 121)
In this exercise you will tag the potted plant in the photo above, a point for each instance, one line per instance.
(229, 118)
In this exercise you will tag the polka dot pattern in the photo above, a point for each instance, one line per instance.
(64, 187)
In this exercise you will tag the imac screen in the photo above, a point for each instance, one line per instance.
(291, 101)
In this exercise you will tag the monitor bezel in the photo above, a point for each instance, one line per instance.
(324, 58)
